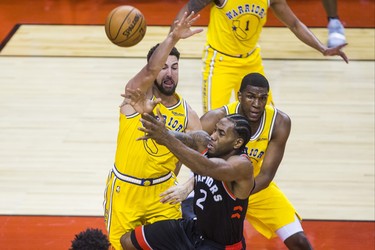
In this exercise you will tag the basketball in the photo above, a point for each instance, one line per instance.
(125, 26)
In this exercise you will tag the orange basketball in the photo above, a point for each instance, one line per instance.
(125, 26)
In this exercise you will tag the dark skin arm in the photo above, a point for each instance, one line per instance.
(236, 170)
(275, 149)
(192, 5)
(274, 153)
(196, 140)
(209, 119)
(283, 12)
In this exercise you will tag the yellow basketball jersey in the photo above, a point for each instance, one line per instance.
(147, 159)
(258, 143)
(235, 27)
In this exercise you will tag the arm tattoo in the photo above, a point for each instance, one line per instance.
(185, 139)
(195, 139)
(201, 138)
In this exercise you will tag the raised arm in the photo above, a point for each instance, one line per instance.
(192, 5)
(274, 153)
(236, 171)
(217, 168)
(144, 79)
(283, 12)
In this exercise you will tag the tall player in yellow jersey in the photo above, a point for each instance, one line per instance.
(270, 212)
(144, 169)
(232, 49)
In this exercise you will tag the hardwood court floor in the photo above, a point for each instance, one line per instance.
(59, 91)
(56, 232)
(59, 125)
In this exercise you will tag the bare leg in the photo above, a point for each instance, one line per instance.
(126, 242)
(330, 7)
(336, 32)
(298, 241)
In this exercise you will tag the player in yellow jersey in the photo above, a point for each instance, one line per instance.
(269, 211)
(232, 49)
(144, 169)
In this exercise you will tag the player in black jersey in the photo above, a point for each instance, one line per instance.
(223, 181)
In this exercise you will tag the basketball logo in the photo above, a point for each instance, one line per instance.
(125, 26)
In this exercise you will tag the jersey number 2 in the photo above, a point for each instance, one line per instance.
(202, 199)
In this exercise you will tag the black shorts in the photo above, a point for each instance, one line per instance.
(175, 235)
(165, 235)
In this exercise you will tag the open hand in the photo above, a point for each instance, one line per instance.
(137, 99)
(182, 28)
(336, 51)
(154, 128)
(174, 194)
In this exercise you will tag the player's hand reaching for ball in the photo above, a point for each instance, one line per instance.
(182, 28)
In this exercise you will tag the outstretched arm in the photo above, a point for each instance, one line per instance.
(155, 129)
(220, 169)
(144, 79)
(286, 15)
(192, 5)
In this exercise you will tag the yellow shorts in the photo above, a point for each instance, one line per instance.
(270, 210)
(222, 76)
(128, 205)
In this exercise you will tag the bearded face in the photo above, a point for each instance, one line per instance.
(167, 86)
(167, 79)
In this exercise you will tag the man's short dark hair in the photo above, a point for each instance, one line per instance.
(256, 80)
(174, 52)
(90, 239)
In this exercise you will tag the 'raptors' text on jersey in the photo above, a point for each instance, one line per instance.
(218, 211)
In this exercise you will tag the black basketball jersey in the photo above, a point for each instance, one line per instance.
(220, 215)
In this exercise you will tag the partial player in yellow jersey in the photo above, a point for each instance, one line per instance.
(269, 212)
(232, 49)
(144, 169)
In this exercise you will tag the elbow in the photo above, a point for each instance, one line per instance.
(296, 26)
(202, 172)
(267, 179)
(262, 182)
(152, 71)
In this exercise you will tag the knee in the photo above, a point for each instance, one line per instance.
(126, 242)
(298, 241)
